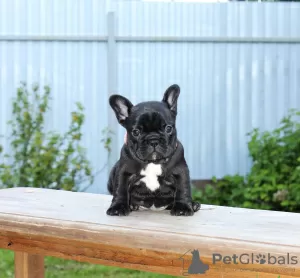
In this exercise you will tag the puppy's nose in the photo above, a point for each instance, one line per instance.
(153, 143)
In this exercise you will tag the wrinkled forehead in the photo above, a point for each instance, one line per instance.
(150, 121)
(151, 118)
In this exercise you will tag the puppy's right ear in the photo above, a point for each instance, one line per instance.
(171, 96)
(121, 106)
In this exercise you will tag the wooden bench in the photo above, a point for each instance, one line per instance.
(38, 222)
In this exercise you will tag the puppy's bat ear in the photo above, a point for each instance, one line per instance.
(171, 96)
(121, 106)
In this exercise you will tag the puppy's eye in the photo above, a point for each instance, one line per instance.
(136, 132)
(169, 129)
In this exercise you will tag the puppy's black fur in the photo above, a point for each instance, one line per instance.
(151, 140)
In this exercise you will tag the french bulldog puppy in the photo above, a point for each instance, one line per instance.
(152, 172)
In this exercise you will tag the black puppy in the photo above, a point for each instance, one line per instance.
(152, 171)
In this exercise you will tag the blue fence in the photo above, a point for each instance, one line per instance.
(238, 65)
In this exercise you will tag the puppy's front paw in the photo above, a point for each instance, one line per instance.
(119, 209)
(182, 209)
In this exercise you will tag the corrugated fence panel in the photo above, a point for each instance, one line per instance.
(75, 71)
(52, 17)
(229, 85)
(227, 88)
(139, 18)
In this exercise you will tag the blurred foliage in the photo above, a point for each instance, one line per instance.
(107, 140)
(43, 159)
(273, 182)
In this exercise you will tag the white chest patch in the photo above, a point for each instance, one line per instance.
(151, 173)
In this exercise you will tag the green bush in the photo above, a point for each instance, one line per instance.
(273, 182)
(43, 159)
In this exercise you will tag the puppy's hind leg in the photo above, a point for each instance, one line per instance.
(196, 206)
(134, 207)
(110, 183)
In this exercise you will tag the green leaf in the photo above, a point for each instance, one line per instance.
(39, 158)
(273, 181)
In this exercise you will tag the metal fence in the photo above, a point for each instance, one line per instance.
(238, 65)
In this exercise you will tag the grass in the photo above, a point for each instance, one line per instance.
(70, 269)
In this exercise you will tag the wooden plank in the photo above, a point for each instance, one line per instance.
(29, 265)
(75, 226)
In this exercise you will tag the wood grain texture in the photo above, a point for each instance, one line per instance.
(75, 226)
(29, 265)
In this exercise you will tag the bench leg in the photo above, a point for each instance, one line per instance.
(29, 265)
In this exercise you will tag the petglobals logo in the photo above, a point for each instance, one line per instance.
(193, 263)
(252, 258)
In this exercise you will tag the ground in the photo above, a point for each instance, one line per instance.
(71, 269)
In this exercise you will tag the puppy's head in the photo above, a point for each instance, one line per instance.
(151, 126)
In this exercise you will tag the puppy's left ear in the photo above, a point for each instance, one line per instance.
(171, 96)
(121, 106)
